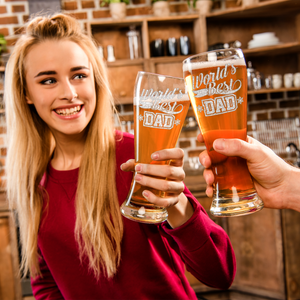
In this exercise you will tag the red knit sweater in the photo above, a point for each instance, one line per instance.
(153, 256)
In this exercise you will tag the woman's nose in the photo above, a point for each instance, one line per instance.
(67, 92)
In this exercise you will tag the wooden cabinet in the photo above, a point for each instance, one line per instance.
(10, 285)
(122, 72)
(279, 16)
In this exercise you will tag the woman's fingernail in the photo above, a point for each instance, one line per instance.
(219, 144)
(121, 167)
(138, 168)
(145, 194)
(138, 177)
(154, 156)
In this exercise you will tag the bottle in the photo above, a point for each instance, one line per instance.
(134, 43)
(250, 76)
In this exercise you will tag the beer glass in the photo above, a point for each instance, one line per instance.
(160, 108)
(217, 86)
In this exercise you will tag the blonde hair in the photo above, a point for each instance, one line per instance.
(99, 226)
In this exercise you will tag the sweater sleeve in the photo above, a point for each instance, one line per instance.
(44, 287)
(205, 247)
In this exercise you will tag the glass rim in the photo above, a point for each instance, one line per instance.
(237, 50)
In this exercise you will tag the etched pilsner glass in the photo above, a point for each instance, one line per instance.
(217, 87)
(160, 108)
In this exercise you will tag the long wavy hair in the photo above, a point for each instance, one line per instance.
(99, 226)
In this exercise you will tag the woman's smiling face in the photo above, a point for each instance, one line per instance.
(60, 84)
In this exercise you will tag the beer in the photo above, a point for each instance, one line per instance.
(157, 126)
(218, 93)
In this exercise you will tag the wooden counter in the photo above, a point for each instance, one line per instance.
(267, 247)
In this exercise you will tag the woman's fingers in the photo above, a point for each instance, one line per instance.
(160, 184)
(175, 155)
(128, 166)
(163, 202)
(163, 171)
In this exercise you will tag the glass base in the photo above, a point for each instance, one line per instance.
(229, 207)
(143, 214)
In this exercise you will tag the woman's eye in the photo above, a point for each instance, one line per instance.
(80, 76)
(48, 81)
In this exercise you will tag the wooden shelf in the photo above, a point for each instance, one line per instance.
(267, 8)
(125, 62)
(279, 49)
(263, 91)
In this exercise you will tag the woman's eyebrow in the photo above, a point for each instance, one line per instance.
(79, 68)
(45, 73)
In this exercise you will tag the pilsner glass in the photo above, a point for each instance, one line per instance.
(160, 108)
(217, 87)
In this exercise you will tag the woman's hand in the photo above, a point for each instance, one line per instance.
(178, 206)
(276, 181)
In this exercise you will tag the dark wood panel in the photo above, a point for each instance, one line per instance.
(291, 234)
(10, 287)
(122, 80)
(257, 241)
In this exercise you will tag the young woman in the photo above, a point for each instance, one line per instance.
(66, 173)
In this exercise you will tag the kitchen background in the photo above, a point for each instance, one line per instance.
(267, 244)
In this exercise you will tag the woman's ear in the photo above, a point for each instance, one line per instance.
(28, 100)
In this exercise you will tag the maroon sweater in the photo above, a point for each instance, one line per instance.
(153, 256)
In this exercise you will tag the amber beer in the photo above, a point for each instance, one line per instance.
(158, 125)
(218, 93)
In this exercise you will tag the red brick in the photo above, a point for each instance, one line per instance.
(128, 107)
(2, 129)
(184, 144)
(277, 115)
(138, 2)
(9, 20)
(289, 103)
(138, 11)
(18, 30)
(263, 116)
(126, 118)
(261, 106)
(2, 162)
(101, 14)
(87, 4)
(25, 18)
(232, 3)
(293, 113)
(194, 153)
(79, 16)
(71, 5)
(11, 42)
(3, 151)
(3, 10)
(3, 184)
(4, 31)
(103, 4)
(177, 8)
(2, 172)
(198, 144)
(18, 8)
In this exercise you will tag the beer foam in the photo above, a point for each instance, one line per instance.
(190, 66)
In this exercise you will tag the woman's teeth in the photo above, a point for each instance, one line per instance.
(68, 111)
